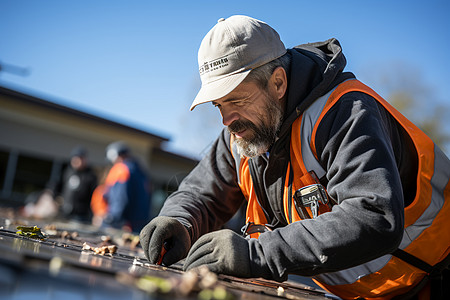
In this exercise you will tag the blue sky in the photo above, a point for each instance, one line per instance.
(135, 62)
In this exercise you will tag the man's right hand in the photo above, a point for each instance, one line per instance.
(165, 230)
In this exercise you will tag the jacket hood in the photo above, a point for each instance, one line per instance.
(315, 69)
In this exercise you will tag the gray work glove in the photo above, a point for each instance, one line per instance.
(169, 231)
(223, 251)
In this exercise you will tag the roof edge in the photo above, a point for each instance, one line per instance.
(29, 99)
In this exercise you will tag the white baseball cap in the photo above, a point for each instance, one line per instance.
(230, 50)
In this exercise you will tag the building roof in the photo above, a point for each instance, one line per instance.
(39, 102)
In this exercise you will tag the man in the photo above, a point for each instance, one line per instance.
(126, 190)
(77, 185)
(338, 184)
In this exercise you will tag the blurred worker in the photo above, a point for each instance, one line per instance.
(126, 191)
(78, 183)
(69, 195)
(339, 185)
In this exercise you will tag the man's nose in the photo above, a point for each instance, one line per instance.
(229, 116)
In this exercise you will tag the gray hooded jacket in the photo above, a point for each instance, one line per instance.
(368, 162)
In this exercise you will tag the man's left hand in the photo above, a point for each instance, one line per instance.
(223, 251)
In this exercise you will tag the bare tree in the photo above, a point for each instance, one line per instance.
(404, 87)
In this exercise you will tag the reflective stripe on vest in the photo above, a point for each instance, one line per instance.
(309, 119)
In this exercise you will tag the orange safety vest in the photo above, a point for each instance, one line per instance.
(118, 173)
(426, 228)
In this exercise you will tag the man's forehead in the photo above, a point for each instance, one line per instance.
(230, 97)
(242, 91)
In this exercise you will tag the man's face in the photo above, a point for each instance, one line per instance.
(78, 162)
(253, 116)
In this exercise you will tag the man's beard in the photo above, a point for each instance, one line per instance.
(264, 135)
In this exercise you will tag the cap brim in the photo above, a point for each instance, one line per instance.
(219, 88)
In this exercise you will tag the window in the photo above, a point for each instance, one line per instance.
(32, 175)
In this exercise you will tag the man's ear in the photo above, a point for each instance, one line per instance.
(278, 82)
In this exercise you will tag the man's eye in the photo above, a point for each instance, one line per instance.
(239, 103)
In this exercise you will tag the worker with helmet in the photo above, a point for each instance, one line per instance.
(126, 191)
